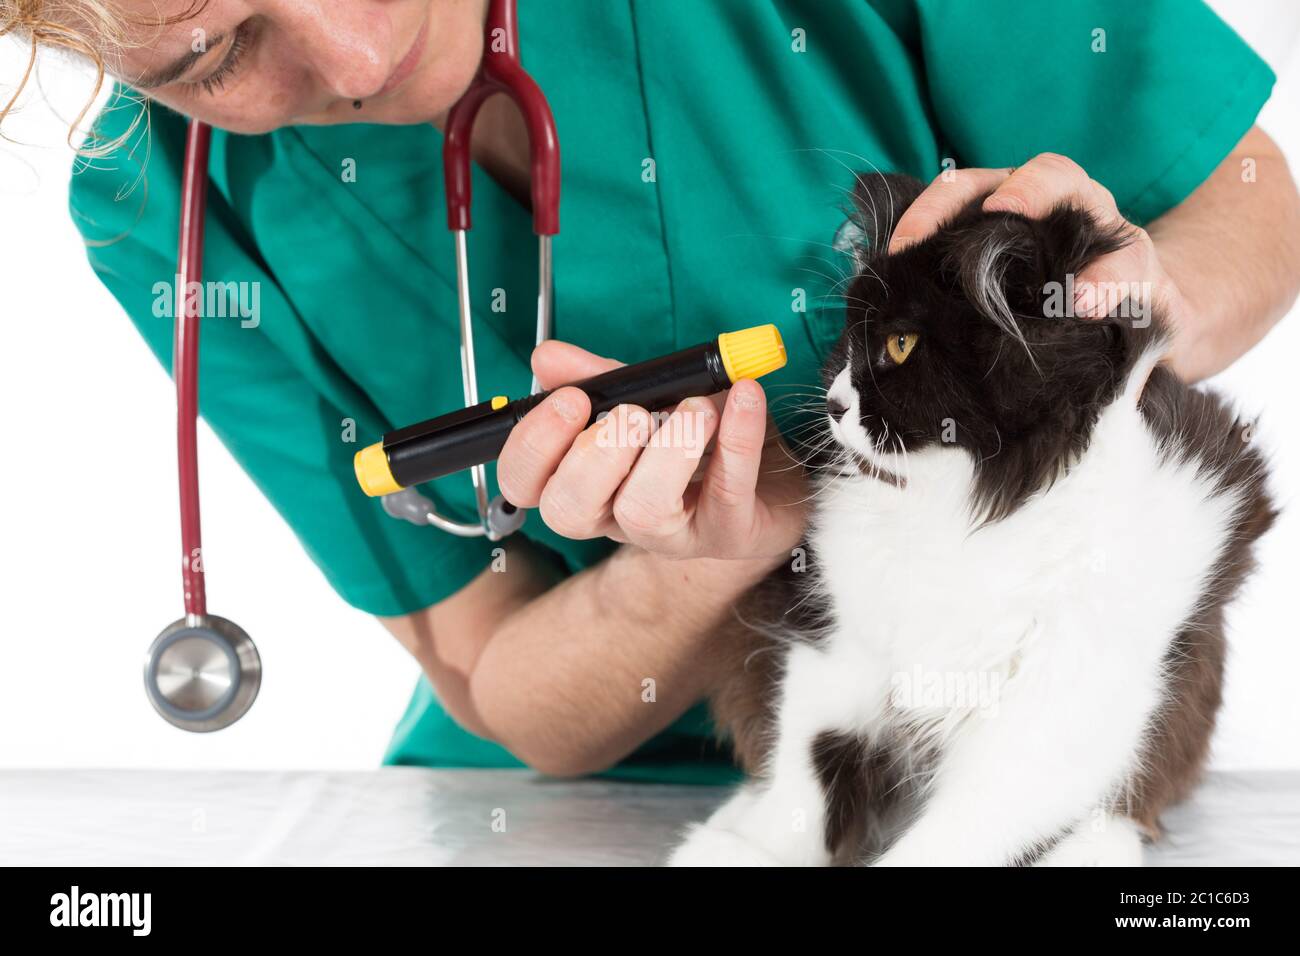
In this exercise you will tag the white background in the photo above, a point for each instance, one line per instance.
(89, 567)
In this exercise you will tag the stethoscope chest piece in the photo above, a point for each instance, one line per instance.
(202, 673)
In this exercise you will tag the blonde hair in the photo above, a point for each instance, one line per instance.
(84, 29)
(88, 30)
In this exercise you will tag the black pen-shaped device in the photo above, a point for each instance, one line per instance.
(475, 435)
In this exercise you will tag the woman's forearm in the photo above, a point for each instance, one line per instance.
(1233, 250)
(571, 675)
(580, 676)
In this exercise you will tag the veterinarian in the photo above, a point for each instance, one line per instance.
(706, 148)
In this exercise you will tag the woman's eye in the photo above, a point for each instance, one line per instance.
(900, 346)
(230, 64)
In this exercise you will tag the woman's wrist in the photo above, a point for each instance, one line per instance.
(677, 593)
(1210, 315)
(1232, 251)
(692, 601)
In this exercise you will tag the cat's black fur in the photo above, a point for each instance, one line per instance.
(1020, 391)
(1021, 409)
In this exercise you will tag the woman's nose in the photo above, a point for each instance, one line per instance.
(349, 46)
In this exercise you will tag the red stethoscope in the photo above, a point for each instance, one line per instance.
(203, 672)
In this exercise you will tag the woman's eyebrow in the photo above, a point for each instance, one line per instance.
(174, 70)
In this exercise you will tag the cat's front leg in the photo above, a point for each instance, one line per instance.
(780, 820)
(717, 842)
(1015, 779)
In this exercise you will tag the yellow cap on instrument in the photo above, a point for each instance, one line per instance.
(751, 353)
(373, 473)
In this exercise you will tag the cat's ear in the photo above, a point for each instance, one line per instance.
(879, 200)
(1009, 266)
(1069, 239)
(997, 263)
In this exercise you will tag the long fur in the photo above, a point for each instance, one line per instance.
(1003, 641)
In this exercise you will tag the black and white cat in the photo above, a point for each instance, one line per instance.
(1007, 644)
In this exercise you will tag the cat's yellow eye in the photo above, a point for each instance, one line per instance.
(900, 346)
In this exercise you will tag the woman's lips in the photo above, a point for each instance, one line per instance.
(409, 62)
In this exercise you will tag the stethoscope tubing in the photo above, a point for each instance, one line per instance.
(199, 650)
(185, 362)
(499, 72)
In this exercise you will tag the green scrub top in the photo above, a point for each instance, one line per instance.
(707, 148)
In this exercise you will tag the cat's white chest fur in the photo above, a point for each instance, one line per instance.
(942, 618)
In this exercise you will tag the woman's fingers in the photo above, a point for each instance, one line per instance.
(948, 194)
(560, 363)
(650, 508)
(1032, 190)
(1049, 180)
(577, 501)
(1046, 181)
(539, 443)
(1127, 282)
(622, 478)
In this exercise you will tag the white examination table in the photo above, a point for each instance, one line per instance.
(406, 816)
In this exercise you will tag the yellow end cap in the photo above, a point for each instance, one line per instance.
(499, 402)
(751, 353)
(373, 474)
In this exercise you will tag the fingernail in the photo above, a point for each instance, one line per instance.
(700, 407)
(564, 407)
(1004, 204)
(743, 397)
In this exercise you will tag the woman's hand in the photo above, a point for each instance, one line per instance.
(1133, 276)
(632, 476)
(1222, 266)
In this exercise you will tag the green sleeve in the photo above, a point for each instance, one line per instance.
(1147, 95)
(284, 425)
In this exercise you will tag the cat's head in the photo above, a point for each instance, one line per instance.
(967, 340)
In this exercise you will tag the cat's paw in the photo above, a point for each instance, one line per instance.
(1113, 841)
(709, 846)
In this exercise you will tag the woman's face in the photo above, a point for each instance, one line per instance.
(254, 65)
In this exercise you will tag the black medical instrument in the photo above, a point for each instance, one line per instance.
(472, 436)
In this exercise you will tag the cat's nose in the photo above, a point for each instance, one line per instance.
(835, 408)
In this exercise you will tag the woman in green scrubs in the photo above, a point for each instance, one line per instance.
(707, 148)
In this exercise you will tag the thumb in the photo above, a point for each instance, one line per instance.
(727, 496)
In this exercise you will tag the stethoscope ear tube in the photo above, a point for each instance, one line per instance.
(500, 71)
(185, 360)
